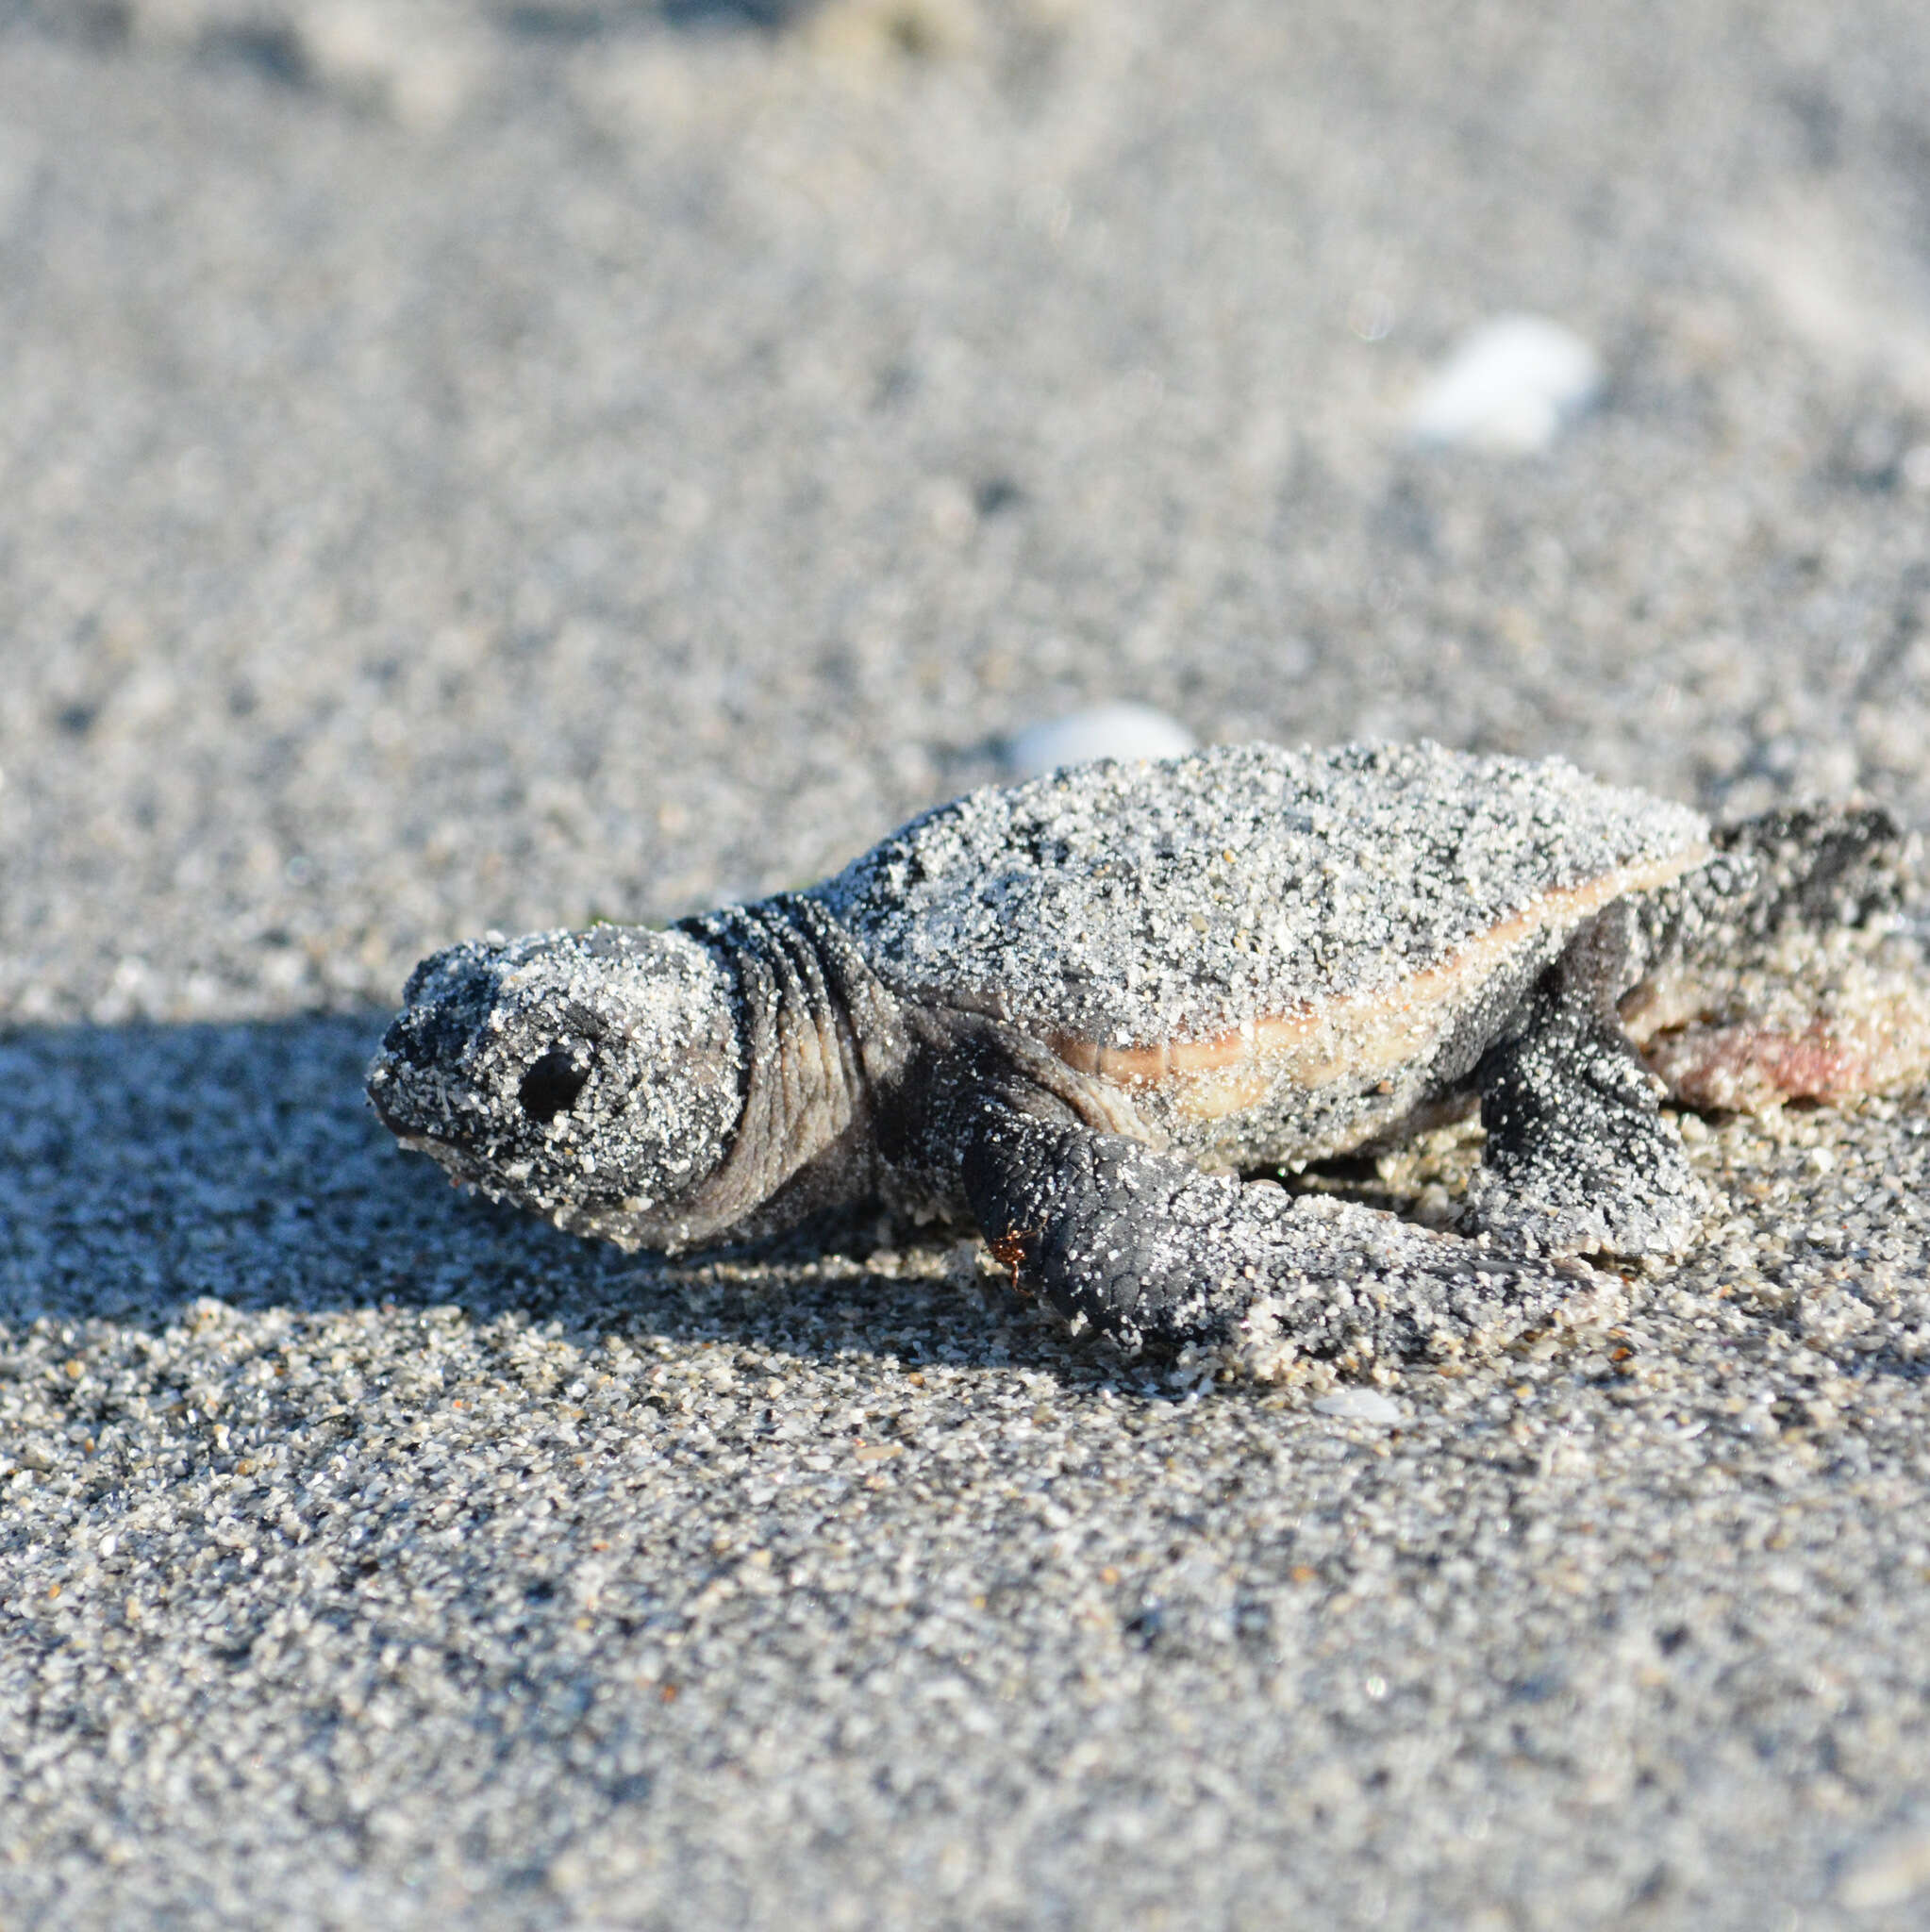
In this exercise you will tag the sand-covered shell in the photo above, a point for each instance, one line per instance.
(1248, 904)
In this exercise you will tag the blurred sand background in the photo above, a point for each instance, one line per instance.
(468, 463)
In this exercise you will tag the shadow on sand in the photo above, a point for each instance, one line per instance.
(144, 1167)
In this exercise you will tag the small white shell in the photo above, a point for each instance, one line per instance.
(1509, 387)
(1359, 1406)
(1122, 731)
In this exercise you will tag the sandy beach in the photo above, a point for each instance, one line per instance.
(475, 465)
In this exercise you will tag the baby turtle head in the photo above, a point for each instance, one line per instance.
(594, 1076)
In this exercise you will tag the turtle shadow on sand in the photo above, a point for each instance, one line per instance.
(145, 1167)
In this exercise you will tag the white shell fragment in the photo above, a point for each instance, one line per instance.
(1359, 1406)
(1122, 731)
(1509, 387)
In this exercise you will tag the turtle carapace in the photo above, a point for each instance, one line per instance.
(1085, 1012)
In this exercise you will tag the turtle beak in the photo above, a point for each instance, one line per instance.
(390, 1101)
(418, 1078)
(389, 1093)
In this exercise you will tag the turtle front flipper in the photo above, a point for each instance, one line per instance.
(1140, 1245)
(1579, 1158)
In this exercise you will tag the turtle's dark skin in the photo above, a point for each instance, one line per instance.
(1077, 1011)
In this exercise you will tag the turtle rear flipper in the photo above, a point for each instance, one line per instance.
(1143, 1246)
(1823, 868)
(1791, 967)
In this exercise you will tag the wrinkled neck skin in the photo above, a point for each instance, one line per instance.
(822, 1044)
(851, 1093)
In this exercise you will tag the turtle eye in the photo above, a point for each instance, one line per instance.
(552, 1085)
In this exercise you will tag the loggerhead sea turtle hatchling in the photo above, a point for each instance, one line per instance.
(1078, 1010)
